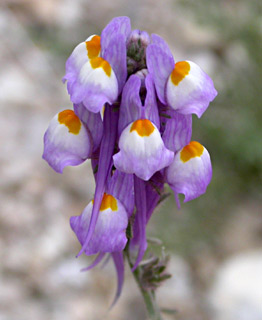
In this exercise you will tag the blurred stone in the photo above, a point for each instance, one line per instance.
(69, 12)
(237, 289)
(243, 230)
(68, 273)
(176, 292)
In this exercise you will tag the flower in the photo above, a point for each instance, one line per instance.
(96, 69)
(190, 172)
(142, 150)
(72, 137)
(132, 116)
(67, 141)
(183, 86)
(112, 220)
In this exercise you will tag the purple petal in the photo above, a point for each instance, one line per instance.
(178, 131)
(156, 39)
(118, 25)
(120, 269)
(151, 108)
(93, 122)
(116, 56)
(121, 186)
(154, 187)
(130, 104)
(94, 87)
(141, 207)
(98, 258)
(105, 158)
(160, 64)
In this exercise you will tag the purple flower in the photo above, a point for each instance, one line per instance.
(140, 140)
(96, 69)
(190, 173)
(67, 141)
(142, 150)
(183, 86)
(112, 219)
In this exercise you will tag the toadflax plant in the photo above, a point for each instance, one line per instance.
(132, 116)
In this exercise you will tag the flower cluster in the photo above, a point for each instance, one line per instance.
(132, 116)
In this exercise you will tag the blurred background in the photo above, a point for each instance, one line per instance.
(214, 241)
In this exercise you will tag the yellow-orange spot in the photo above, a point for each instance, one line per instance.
(93, 47)
(101, 63)
(192, 150)
(108, 201)
(181, 69)
(143, 127)
(70, 120)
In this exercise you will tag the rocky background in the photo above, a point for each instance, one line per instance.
(214, 241)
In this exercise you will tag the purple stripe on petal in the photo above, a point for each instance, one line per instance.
(151, 108)
(160, 64)
(154, 187)
(105, 159)
(120, 269)
(121, 186)
(141, 206)
(115, 54)
(93, 121)
(130, 103)
(178, 131)
(98, 258)
(118, 25)
(156, 39)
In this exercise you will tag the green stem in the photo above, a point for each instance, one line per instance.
(148, 295)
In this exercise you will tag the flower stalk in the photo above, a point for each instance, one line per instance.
(152, 308)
